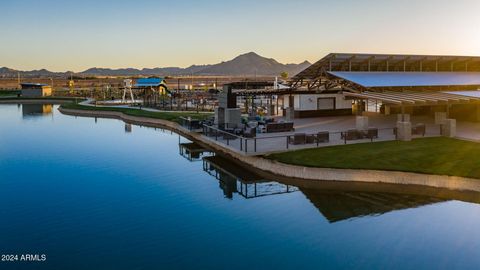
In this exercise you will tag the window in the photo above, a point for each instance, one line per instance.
(326, 103)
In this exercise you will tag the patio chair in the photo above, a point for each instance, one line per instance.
(351, 134)
(310, 138)
(288, 126)
(323, 136)
(250, 132)
(372, 133)
(279, 127)
(298, 138)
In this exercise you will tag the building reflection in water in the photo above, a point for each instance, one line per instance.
(193, 151)
(337, 205)
(29, 110)
(233, 179)
(128, 128)
(336, 201)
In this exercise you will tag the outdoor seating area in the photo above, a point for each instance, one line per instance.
(279, 127)
(417, 129)
(229, 132)
(354, 134)
(303, 138)
(268, 124)
(314, 132)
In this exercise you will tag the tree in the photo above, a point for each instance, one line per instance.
(284, 75)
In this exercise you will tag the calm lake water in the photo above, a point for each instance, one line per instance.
(93, 194)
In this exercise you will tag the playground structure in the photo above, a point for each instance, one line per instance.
(153, 90)
(127, 86)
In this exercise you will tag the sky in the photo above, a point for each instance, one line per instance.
(76, 35)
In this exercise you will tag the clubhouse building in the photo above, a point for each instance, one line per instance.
(340, 84)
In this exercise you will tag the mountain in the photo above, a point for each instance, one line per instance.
(253, 64)
(248, 64)
(7, 72)
(12, 73)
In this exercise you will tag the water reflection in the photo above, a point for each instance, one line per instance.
(193, 151)
(233, 179)
(32, 110)
(340, 205)
(153, 205)
(128, 127)
(335, 201)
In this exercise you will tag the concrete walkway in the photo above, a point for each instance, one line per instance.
(468, 131)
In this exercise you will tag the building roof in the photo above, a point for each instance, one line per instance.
(405, 79)
(389, 63)
(473, 94)
(149, 82)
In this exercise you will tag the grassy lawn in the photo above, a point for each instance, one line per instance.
(8, 93)
(440, 155)
(170, 116)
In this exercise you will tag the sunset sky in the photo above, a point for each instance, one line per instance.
(76, 35)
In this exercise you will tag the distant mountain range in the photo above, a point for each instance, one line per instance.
(248, 64)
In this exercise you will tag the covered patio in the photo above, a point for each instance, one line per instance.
(409, 99)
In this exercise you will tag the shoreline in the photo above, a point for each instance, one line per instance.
(300, 173)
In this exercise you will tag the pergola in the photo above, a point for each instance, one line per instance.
(258, 89)
(414, 98)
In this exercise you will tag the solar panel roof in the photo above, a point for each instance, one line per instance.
(405, 79)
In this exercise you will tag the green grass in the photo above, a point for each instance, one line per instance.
(6, 93)
(439, 155)
(170, 116)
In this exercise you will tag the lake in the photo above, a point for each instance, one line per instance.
(98, 194)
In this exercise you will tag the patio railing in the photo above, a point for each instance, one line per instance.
(301, 140)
